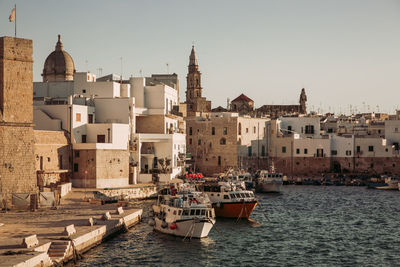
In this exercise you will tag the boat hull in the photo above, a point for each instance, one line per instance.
(269, 188)
(186, 228)
(234, 209)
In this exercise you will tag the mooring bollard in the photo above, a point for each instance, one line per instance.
(106, 216)
(30, 241)
(69, 230)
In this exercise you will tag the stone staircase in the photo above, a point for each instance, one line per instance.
(59, 250)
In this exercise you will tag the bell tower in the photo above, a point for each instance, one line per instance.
(193, 80)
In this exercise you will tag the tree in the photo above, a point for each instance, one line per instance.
(164, 163)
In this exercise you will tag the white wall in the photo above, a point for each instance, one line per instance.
(311, 145)
(392, 131)
(53, 89)
(112, 110)
(119, 134)
(85, 84)
(137, 90)
(341, 145)
(43, 122)
(298, 125)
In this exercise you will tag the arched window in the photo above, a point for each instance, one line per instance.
(222, 141)
(240, 128)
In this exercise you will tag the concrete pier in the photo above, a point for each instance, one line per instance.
(54, 229)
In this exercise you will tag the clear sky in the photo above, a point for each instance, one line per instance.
(344, 52)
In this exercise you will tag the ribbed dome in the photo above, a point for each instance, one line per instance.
(59, 65)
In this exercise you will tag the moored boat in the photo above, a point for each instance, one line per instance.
(269, 182)
(184, 212)
(230, 199)
(392, 183)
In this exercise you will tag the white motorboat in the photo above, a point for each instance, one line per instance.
(184, 212)
(269, 182)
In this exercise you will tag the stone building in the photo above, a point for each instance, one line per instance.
(59, 65)
(225, 140)
(275, 111)
(194, 101)
(17, 166)
(243, 105)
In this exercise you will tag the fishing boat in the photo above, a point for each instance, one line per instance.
(269, 182)
(392, 183)
(183, 212)
(230, 199)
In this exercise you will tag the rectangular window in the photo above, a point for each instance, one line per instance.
(213, 130)
(76, 153)
(219, 160)
(358, 149)
(297, 150)
(263, 151)
(309, 129)
(348, 152)
(254, 129)
(101, 138)
(190, 141)
(225, 130)
(334, 152)
(283, 149)
(90, 118)
(76, 167)
(371, 148)
(247, 130)
(199, 141)
(289, 128)
(249, 151)
(83, 138)
(305, 151)
(320, 153)
(190, 131)
(78, 116)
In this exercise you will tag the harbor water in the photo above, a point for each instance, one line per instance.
(303, 226)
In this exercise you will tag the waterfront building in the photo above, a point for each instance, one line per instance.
(113, 124)
(358, 148)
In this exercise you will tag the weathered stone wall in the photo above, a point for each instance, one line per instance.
(17, 169)
(354, 165)
(150, 124)
(206, 153)
(301, 166)
(105, 168)
(52, 148)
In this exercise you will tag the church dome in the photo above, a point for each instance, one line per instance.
(59, 65)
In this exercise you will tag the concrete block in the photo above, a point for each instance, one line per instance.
(69, 230)
(120, 210)
(30, 241)
(106, 216)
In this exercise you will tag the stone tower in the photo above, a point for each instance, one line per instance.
(302, 102)
(194, 100)
(17, 169)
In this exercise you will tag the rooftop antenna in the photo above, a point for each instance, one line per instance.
(167, 68)
(100, 72)
(121, 67)
(141, 73)
(227, 103)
